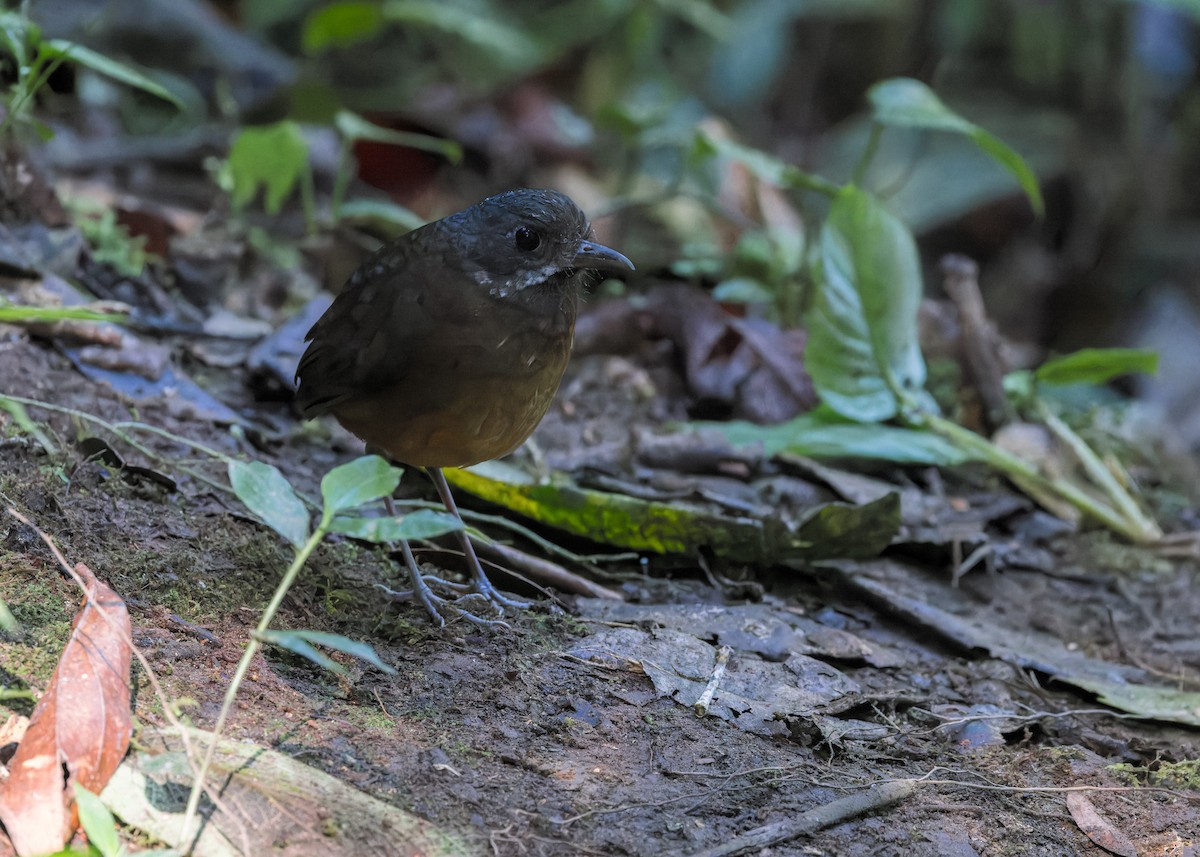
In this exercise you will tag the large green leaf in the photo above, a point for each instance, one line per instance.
(358, 482)
(504, 43)
(1097, 365)
(811, 436)
(421, 524)
(681, 528)
(97, 822)
(862, 350)
(907, 103)
(341, 25)
(271, 498)
(270, 156)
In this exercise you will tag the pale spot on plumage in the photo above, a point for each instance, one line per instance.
(524, 280)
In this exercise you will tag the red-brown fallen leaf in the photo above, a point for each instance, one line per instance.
(1097, 828)
(79, 730)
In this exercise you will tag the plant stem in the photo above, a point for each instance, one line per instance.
(868, 155)
(252, 647)
(1012, 465)
(1100, 474)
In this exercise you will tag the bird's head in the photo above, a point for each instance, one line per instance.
(527, 237)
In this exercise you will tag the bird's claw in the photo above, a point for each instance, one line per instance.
(435, 604)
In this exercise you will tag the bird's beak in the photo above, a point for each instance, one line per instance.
(600, 258)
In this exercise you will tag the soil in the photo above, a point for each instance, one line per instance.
(553, 735)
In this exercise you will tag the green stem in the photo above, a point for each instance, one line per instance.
(1013, 466)
(1101, 475)
(868, 155)
(116, 431)
(252, 647)
(800, 180)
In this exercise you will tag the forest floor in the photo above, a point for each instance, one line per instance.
(573, 731)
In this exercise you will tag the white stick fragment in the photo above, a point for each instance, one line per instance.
(718, 672)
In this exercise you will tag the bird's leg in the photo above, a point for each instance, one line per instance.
(482, 585)
(433, 603)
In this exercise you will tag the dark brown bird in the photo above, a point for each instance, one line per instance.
(447, 346)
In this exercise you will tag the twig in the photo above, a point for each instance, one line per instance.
(979, 340)
(701, 705)
(545, 572)
(842, 809)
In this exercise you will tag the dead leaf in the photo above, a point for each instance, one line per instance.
(79, 730)
(1097, 828)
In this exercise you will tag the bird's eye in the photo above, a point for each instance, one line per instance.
(527, 239)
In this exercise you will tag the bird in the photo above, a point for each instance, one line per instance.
(447, 345)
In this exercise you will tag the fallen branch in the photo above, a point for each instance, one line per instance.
(842, 809)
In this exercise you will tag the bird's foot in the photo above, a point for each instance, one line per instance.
(439, 607)
(485, 589)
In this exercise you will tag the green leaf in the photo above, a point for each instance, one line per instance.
(506, 44)
(270, 497)
(8, 622)
(341, 25)
(354, 127)
(421, 524)
(813, 437)
(380, 211)
(907, 103)
(1097, 365)
(270, 156)
(675, 527)
(862, 350)
(360, 481)
(30, 427)
(19, 314)
(99, 63)
(16, 33)
(302, 643)
(97, 823)
(742, 290)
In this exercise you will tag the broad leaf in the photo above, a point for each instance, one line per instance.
(341, 25)
(421, 524)
(270, 497)
(504, 43)
(108, 67)
(358, 482)
(302, 643)
(271, 156)
(862, 349)
(907, 103)
(679, 527)
(742, 290)
(1097, 365)
(810, 436)
(97, 822)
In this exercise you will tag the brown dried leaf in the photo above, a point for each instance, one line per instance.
(1097, 828)
(79, 730)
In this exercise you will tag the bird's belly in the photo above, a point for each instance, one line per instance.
(454, 419)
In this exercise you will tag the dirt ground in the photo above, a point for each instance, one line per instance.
(573, 731)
